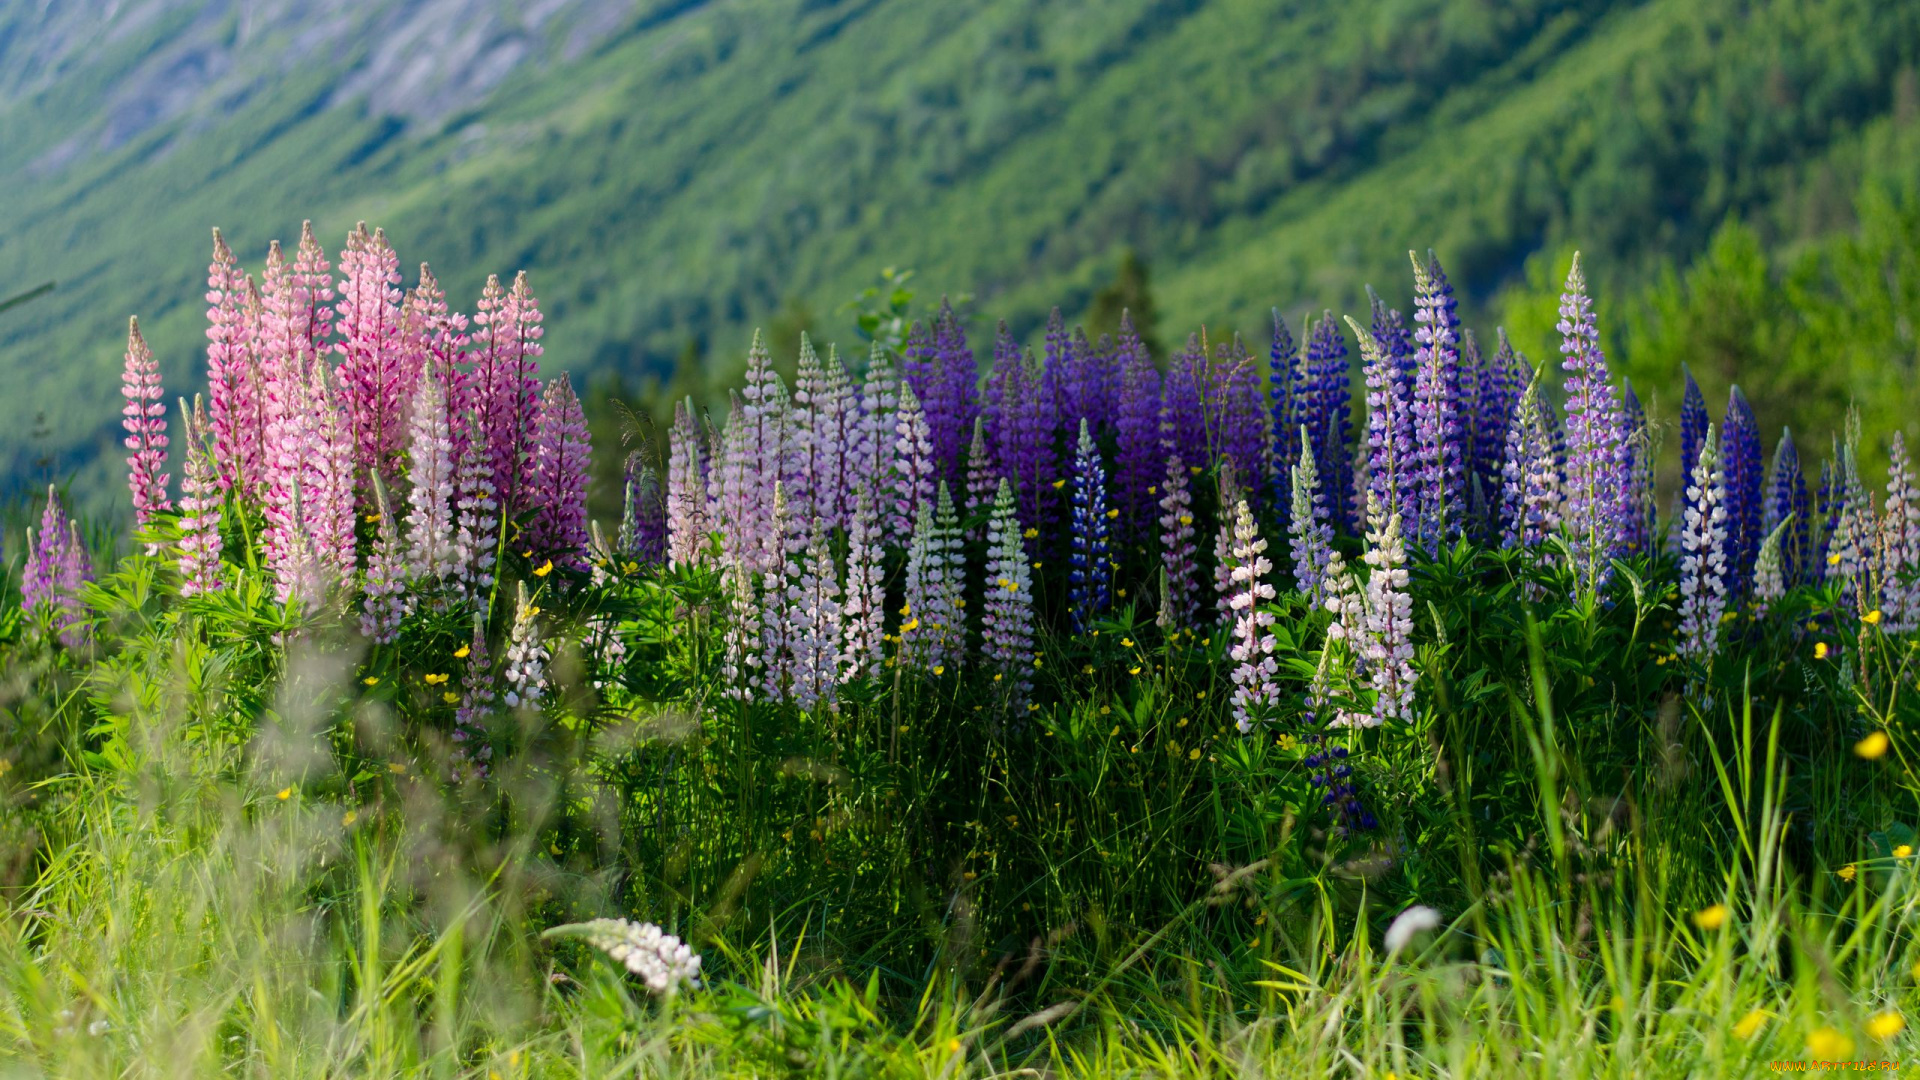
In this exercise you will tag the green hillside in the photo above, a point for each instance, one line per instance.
(695, 168)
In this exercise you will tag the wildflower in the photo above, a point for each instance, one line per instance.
(476, 512)
(1749, 1025)
(201, 544)
(1091, 578)
(1903, 851)
(935, 573)
(1769, 574)
(526, 671)
(1530, 481)
(144, 418)
(662, 961)
(1711, 918)
(1327, 415)
(1847, 873)
(1020, 420)
(1820, 650)
(1871, 618)
(1740, 457)
(284, 794)
(1139, 457)
(1438, 466)
(1007, 621)
(561, 461)
(430, 502)
(686, 508)
(1309, 530)
(1900, 543)
(1178, 566)
(1589, 515)
(471, 752)
(1829, 1044)
(1873, 746)
(982, 480)
(1388, 644)
(1417, 919)
(1703, 555)
(462, 652)
(385, 603)
(1256, 692)
(433, 680)
(505, 389)
(913, 459)
(371, 680)
(234, 383)
(449, 697)
(349, 817)
(815, 633)
(1885, 1025)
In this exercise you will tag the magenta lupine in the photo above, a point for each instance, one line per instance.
(982, 481)
(233, 375)
(378, 371)
(476, 511)
(525, 673)
(561, 459)
(430, 501)
(1391, 479)
(1139, 459)
(1439, 469)
(289, 442)
(876, 438)
(40, 576)
(477, 700)
(1703, 553)
(327, 483)
(1900, 546)
(145, 419)
(1179, 557)
(1388, 645)
(1589, 512)
(1530, 475)
(687, 526)
(1309, 530)
(435, 339)
(1256, 691)
(503, 385)
(913, 464)
(863, 613)
(1006, 626)
(384, 594)
(201, 546)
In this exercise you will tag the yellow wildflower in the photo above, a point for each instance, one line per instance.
(433, 680)
(1886, 1025)
(1711, 918)
(1873, 746)
(449, 697)
(284, 794)
(1903, 851)
(462, 652)
(1819, 650)
(349, 817)
(371, 680)
(1847, 872)
(1749, 1024)
(1828, 1044)
(1871, 618)
(543, 569)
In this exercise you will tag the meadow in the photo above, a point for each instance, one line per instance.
(1353, 702)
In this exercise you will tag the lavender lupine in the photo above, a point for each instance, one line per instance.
(876, 438)
(1850, 548)
(1138, 458)
(1589, 511)
(1309, 531)
(779, 622)
(378, 372)
(1020, 427)
(1703, 553)
(1636, 494)
(1329, 414)
(687, 525)
(1006, 622)
(525, 673)
(1090, 589)
(384, 594)
(1179, 562)
(1388, 645)
(201, 546)
(1256, 691)
(913, 467)
(863, 613)
(238, 409)
(836, 418)
(1740, 458)
(1438, 466)
(814, 634)
(982, 481)
(503, 386)
(1787, 501)
(144, 418)
(476, 511)
(561, 460)
(1530, 482)
(1391, 476)
(1900, 543)
(430, 501)
(41, 581)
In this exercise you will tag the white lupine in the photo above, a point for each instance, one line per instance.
(1310, 533)
(863, 615)
(430, 551)
(778, 622)
(742, 663)
(526, 662)
(1179, 559)
(1388, 645)
(913, 459)
(1769, 579)
(687, 525)
(873, 465)
(662, 961)
(1703, 553)
(1255, 692)
(1223, 544)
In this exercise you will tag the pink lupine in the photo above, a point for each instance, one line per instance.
(201, 546)
(378, 371)
(145, 419)
(1256, 691)
(503, 386)
(687, 526)
(238, 411)
(476, 512)
(1178, 554)
(863, 615)
(289, 441)
(430, 552)
(385, 595)
(1006, 622)
(328, 479)
(559, 527)
(435, 338)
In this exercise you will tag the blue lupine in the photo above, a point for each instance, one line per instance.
(1636, 494)
(1328, 416)
(1591, 509)
(1787, 496)
(1283, 385)
(1740, 457)
(1139, 458)
(1090, 580)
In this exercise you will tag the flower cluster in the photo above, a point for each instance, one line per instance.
(662, 961)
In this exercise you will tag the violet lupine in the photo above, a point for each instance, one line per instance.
(1472, 376)
(1787, 500)
(1020, 427)
(1388, 645)
(876, 438)
(913, 466)
(1530, 482)
(238, 417)
(56, 567)
(477, 700)
(327, 483)
(1636, 494)
(1740, 458)
(1769, 575)
(778, 623)
(1439, 433)
(1244, 421)
(1006, 620)
(377, 371)
(863, 612)
(1283, 405)
(1329, 414)
(931, 635)
(1090, 588)
(1256, 691)
(476, 511)
(1589, 514)
(687, 525)
(801, 457)
(1703, 553)
(1389, 328)
(643, 515)
(384, 602)
(954, 397)
(1179, 561)
(1693, 424)
(430, 501)
(201, 546)
(1900, 543)
(982, 481)
(1137, 433)
(1309, 531)
(562, 456)
(1501, 384)
(1183, 424)
(525, 673)
(144, 418)
(503, 386)
(1391, 476)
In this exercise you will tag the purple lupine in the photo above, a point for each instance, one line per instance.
(201, 546)
(1309, 532)
(1636, 494)
(1900, 543)
(876, 437)
(1138, 458)
(1059, 375)
(1704, 537)
(1439, 433)
(562, 456)
(835, 419)
(806, 451)
(1850, 551)
(1256, 691)
(913, 459)
(1693, 422)
(941, 371)
(238, 414)
(1329, 414)
(1284, 407)
(1530, 482)
(1388, 645)
(1589, 512)
(643, 515)
(982, 481)
(430, 499)
(1501, 384)
(687, 525)
(504, 387)
(1020, 427)
(1472, 375)
(40, 576)
(476, 511)
(327, 481)
(1179, 564)
(1740, 458)
(1238, 417)
(1787, 502)
(863, 613)
(385, 593)
(1006, 622)
(377, 371)
(470, 750)
(1391, 477)
(1183, 427)
(1389, 328)
(145, 420)
(758, 458)
(1090, 589)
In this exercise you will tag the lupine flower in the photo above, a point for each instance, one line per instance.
(1006, 625)
(328, 479)
(430, 501)
(934, 587)
(778, 621)
(476, 517)
(1769, 578)
(1389, 328)
(435, 340)
(1020, 425)
(1256, 692)
(1391, 479)
(1501, 384)
(1740, 458)
(1787, 500)
(1183, 425)
(385, 601)
(1900, 547)
(291, 423)
(643, 515)
(913, 459)
(1137, 432)
(1703, 553)
(662, 961)
(377, 371)
(56, 567)
(470, 750)
(816, 631)
(877, 437)
(561, 459)
(1330, 773)
(757, 442)
(1284, 405)
(1831, 497)
(1388, 646)
(1850, 550)
(1309, 532)
(1227, 494)
(743, 664)
(144, 417)
(953, 398)
(1329, 414)
(1439, 467)
(1589, 512)
(687, 525)
(233, 375)
(1179, 565)
(201, 546)
(1236, 421)
(526, 670)
(982, 480)
(1693, 421)
(1636, 495)
(1530, 480)
(863, 622)
(835, 417)
(1082, 379)
(504, 388)
(1090, 589)
(802, 461)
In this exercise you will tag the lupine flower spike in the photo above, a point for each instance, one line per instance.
(1310, 532)
(1090, 588)
(1007, 621)
(1388, 646)
(1179, 566)
(201, 546)
(1256, 690)
(526, 670)
(430, 501)
(1703, 553)
(144, 417)
(1590, 509)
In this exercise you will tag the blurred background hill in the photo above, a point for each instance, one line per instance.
(1740, 174)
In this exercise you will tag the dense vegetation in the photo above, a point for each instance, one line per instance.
(1110, 715)
(690, 172)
